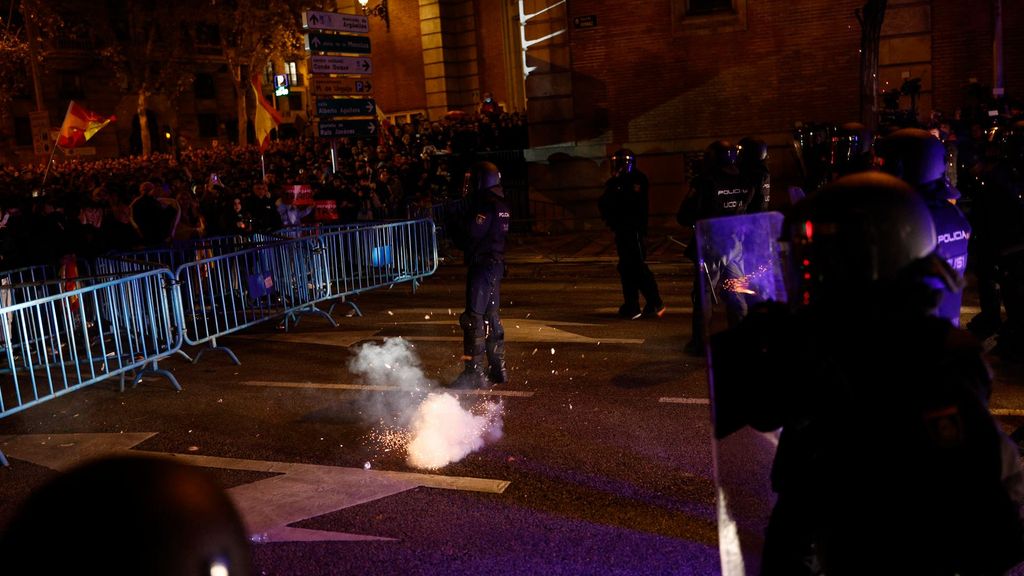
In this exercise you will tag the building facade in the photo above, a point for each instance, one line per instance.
(662, 77)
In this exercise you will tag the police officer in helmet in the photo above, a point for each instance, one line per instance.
(486, 224)
(919, 159)
(624, 208)
(752, 161)
(717, 190)
(889, 460)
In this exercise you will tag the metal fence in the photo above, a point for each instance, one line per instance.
(62, 334)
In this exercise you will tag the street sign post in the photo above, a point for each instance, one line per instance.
(341, 65)
(346, 107)
(336, 43)
(343, 128)
(39, 121)
(324, 86)
(356, 23)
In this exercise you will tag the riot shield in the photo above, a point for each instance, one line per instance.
(738, 266)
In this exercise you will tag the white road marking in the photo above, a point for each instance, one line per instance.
(340, 338)
(297, 492)
(672, 400)
(372, 388)
(532, 330)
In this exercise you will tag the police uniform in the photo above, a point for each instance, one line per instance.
(486, 228)
(919, 159)
(718, 190)
(624, 208)
(882, 406)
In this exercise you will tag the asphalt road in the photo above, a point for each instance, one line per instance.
(595, 459)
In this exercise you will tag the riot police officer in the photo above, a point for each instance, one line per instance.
(486, 224)
(997, 214)
(919, 159)
(752, 161)
(717, 190)
(624, 208)
(850, 149)
(889, 460)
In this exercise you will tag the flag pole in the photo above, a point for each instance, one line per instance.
(48, 162)
(46, 172)
(263, 167)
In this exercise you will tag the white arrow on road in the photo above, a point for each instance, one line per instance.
(298, 491)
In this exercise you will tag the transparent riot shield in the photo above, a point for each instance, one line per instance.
(738, 266)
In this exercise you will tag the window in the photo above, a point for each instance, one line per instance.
(701, 7)
(206, 89)
(70, 86)
(293, 74)
(207, 125)
(708, 16)
(22, 131)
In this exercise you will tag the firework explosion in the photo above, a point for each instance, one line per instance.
(431, 427)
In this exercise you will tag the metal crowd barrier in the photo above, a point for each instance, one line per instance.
(68, 340)
(61, 334)
(234, 291)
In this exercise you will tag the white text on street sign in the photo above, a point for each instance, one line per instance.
(324, 86)
(341, 65)
(357, 23)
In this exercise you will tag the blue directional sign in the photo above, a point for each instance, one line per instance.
(346, 107)
(341, 65)
(312, 20)
(337, 43)
(343, 128)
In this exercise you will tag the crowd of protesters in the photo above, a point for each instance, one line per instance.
(89, 208)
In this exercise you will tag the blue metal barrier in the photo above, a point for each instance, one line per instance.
(60, 335)
(231, 292)
(63, 342)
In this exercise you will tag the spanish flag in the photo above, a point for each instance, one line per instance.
(267, 117)
(80, 125)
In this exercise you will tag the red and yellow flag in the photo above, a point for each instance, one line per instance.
(80, 125)
(267, 117)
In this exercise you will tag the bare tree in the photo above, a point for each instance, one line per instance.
(144, 45)
(253, 32)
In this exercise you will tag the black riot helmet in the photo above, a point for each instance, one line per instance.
(129, 515)
(721, 156)
(913, 155)
(752, 151)
(623, 162)
(858, 235)
(488, 177)
(850, 147)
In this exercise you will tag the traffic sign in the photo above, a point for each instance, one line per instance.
(313, 20)
(322, 42)
(39, 121)
(326, 86)
(342, 128)
(346, 107)
(341, 65)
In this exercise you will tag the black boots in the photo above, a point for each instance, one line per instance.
(497, 373)
(477, 340)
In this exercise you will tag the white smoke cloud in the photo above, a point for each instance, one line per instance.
(434, 427)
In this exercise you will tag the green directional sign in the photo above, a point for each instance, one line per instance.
(343, 128)
(346, 107)
(337, 43)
